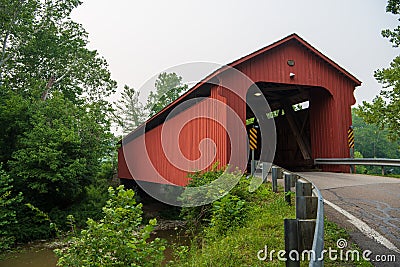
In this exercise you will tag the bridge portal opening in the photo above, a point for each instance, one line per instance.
(290, 107)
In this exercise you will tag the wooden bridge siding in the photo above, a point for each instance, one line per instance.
(330, 113)
(148, 152)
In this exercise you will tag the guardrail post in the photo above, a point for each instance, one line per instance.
(306, 229)
(288, 184)
(291, 242)
(306, 204)
(294, 179)
(306, 207)
(277, 171)
(274, 173)
(306, 232)
(253, 163)
(303, 188)
(306, 213)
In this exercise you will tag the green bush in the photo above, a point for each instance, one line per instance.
(34, 222)
(118, 239)
(197, 215)
(226, 213)
(95, 199)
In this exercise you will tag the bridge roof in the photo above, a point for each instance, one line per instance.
(160, 116)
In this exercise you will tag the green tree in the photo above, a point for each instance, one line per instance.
(43, 50)
(61, 152)
(14, 120)
(118, 239)
(130, 112)
(360, 169)
(168, 87)
(372, 141)
(385, 109)
(55, 122)
(8, 217)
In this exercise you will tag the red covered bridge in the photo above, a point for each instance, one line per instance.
(287, 72)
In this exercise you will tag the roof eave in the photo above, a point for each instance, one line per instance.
(239, 61)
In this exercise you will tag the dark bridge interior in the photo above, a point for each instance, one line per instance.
(293, 146)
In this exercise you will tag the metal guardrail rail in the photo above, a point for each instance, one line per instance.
(318, 242)
(294, 230)
(360, 161)
(309, 215)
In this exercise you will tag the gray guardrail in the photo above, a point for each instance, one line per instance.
(360, 161)
(306, 232)
(318, 241)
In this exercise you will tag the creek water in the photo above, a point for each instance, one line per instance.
(38, 255)
(30, 256)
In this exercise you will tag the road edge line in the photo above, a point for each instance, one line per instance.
(364, 228)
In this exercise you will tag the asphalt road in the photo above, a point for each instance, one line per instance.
(374, 200)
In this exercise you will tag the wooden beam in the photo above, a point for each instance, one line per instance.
(303, 128)
(291, 117)
(290, 98)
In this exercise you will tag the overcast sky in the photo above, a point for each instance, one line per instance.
(142, 38)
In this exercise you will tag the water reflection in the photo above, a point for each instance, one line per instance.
(33, 257)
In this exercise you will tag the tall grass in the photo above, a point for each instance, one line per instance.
(262, 227)
(239, 246)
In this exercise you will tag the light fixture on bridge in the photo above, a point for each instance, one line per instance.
(257, 94)
(291, 75)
